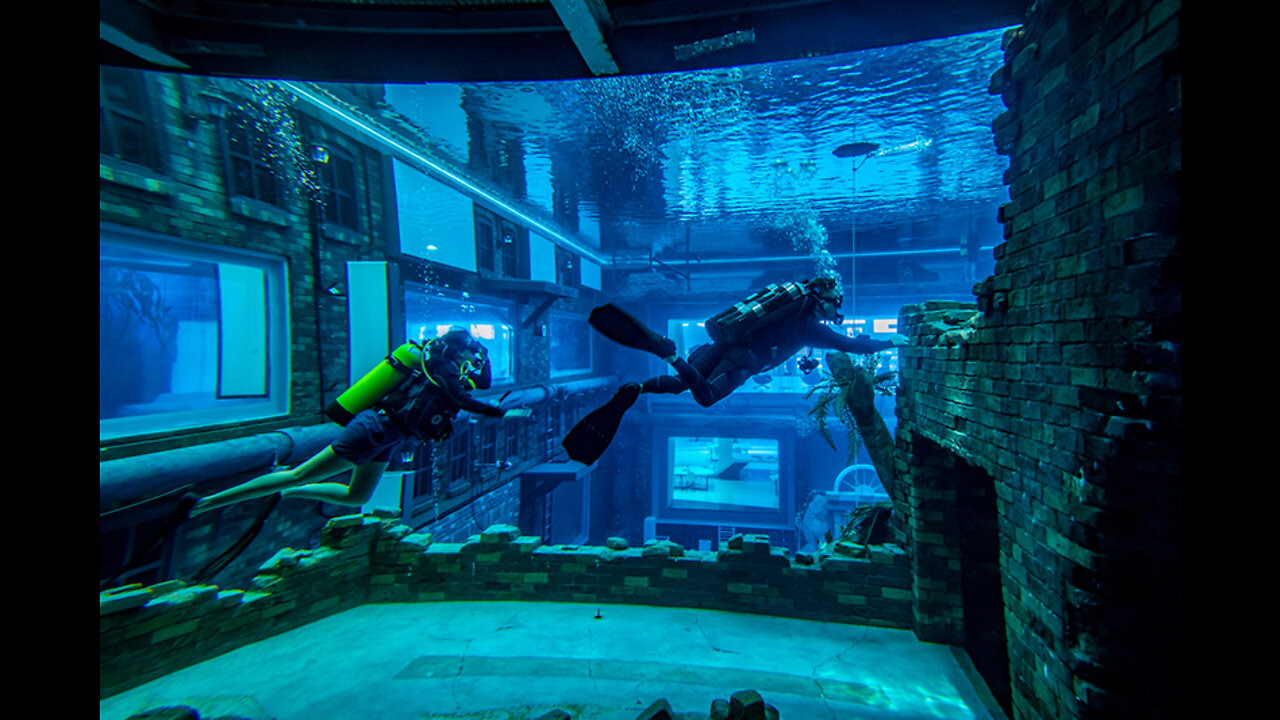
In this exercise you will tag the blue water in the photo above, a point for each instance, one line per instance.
(716, 154)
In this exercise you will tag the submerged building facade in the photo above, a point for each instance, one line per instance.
(263, 245)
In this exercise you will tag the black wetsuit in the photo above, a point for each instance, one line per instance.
(716, 369)
(427, 406)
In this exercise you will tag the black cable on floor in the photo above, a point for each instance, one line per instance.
(220, 563)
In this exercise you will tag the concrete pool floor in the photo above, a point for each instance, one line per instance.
(518, 660)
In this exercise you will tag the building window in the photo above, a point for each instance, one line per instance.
(567, 271)
(425, 466)
(512, 440)
(509, 239)
(337, 171)
(460, 454)
(571, 344)
(189, 336)
(248, 155)
(551, 430)
(489, 441)
(486, 236)
(124, 115)
(722, 473)
(497, 243)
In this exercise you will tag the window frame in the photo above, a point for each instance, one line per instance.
(278, 401)
(257, 140)
(144, 114)
(496, 256)
(568, 268)
(328, 175)
(460, 453)
(781, 518)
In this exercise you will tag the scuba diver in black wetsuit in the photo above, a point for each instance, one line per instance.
(755, 335)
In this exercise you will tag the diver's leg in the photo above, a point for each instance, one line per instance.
(664, 385)
(720, 375)
(324, 464)
(722, 383)
(694, 372)
(363, 481)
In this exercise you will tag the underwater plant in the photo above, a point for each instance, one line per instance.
(849, 377)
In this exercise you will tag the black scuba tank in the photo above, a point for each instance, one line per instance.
(738, 323)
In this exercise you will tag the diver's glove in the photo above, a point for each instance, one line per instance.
(517, 413)
(899, 340)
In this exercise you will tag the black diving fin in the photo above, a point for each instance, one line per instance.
(617, 325)
(588, 440)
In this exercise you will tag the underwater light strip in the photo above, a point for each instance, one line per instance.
(436, 169)
(625, 262)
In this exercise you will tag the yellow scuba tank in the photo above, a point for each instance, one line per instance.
(382, 379)
(737, 322)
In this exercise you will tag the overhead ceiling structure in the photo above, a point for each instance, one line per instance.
(410, 41)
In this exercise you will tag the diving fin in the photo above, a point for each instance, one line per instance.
(588, 440)
(614, 323)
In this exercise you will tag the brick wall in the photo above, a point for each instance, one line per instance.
(148, 632)
(500, 506)
(1062, 383)
(187, 198)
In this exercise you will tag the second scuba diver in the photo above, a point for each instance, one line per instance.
(753, 336)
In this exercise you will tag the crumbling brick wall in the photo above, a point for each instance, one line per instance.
(1062, 383)
(149, 632)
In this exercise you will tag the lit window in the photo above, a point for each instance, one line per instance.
(188, 336)
(884, 325)
(722, 473)
(429, 315)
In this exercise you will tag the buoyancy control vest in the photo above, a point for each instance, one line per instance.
(421, 408)
(773, 304)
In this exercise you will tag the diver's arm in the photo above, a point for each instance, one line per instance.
(448, 380)
(820, 335)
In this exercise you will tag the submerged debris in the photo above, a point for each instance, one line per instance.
(742, 705)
